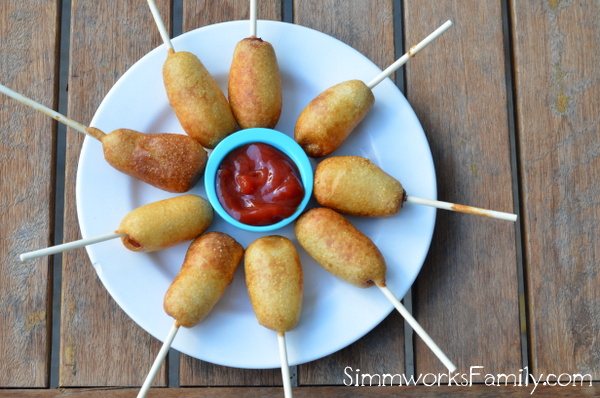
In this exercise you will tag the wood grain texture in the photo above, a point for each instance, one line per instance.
(467, 293)
(474, 391)
(365, 25)
(28, 65)
(194, 372)
(558, 97)
(100, 345)
(360, 24)
(207, 12)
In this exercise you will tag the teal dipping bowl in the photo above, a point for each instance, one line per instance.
(280, 141)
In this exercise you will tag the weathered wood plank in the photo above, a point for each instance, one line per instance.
(28, 65)
(368, 27)
(467, 293)
(100, 345)
(194, 372)
(476, 390)
(558, 97)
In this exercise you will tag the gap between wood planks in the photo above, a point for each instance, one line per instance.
(516, 182)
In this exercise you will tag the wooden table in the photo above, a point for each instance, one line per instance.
(509, 99)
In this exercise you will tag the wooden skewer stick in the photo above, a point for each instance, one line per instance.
(44, 109)
(462, 208)
(164, 34)
(411, 53)
(285, 368)
(159, 360)
(417, 328)
(253, 14)
(68, 246)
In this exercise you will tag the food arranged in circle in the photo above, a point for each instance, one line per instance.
(351, 235)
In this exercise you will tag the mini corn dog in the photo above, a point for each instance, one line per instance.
(331, 116)
(275, 281)
(171, 162)
(350, 255)
(196, 98)
(165, 223)
(340, 248)
(254, 86)
(355, 186)
(151, 227)
(207, 270)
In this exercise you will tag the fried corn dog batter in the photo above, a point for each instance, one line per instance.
(165, 223)
(207, 270)
(355, 186)
(275, 282)
(340, 248)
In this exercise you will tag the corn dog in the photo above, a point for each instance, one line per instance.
(254, 86)
(207, 270)
(197, 99)
(331, 116)
(355, 186)
(149, 228)
(171, 162)
(340, 248)
(165, 223)
(274, 279)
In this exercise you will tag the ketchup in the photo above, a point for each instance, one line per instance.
(258, 184)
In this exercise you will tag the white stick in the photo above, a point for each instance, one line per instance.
(68, 246)
(161, 25)
(417, 328)
(253, 14)
(159, 360)
(45, 110)
(411, 53)
(462, 208)
(285, 368)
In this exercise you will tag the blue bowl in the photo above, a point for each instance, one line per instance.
(285, 144)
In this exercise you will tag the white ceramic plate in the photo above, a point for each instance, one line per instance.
(334, 314)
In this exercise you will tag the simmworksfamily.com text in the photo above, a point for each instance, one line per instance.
(522, 378)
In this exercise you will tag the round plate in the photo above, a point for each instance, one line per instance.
(334, 314)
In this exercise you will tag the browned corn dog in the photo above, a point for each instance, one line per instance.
(340, 248)
(207, 270)
(356, 186)
(331, 116)
(171, 162)
(254, 86)
(165, 223)
(275, 281)
(197, 99)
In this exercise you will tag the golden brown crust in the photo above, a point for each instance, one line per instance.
(197, 99)
(171, 162)
(340, 248)
(207, 270)
(275, 281)
(254, 86)
(165, 223)
(331, 116)
(355, 186)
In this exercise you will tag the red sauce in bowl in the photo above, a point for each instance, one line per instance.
(258, 184)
